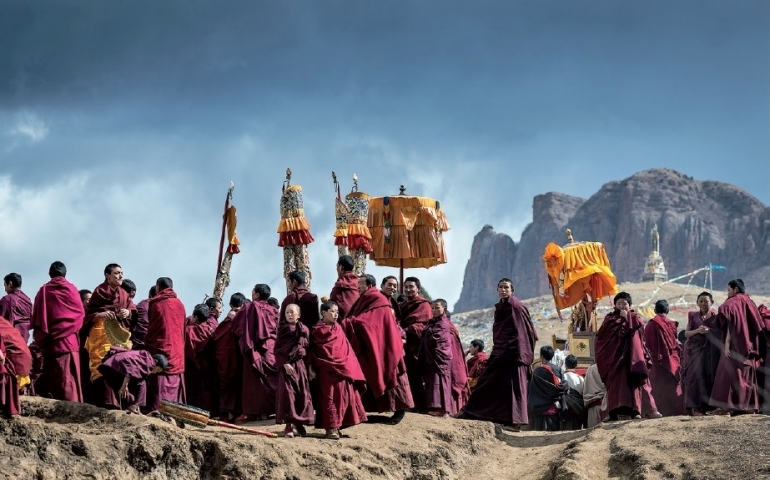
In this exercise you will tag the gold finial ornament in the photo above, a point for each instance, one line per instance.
(355, 183)
(569, 237)
(402, 190)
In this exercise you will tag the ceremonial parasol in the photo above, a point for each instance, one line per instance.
(579, 272)
(351, 234)
(294, 231)
(225, 258)
(407, 232)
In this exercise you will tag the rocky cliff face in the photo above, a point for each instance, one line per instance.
(699, 223)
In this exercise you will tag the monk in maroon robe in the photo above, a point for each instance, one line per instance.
(15, 306)
(255, 327)
(57, 317)
(735, 385)
(293, 404)
(660, 337)
(139, 331)
(345, 290)
(373, 334)
(416, 312)
(501, 392)
(623, 361)
(477, 363)
(435, 360)
(106, 300)
(763, 382)
(339, 375)
(165, 336)
(198, 331)
(126, 372)
(461, 389)
(227, 358)
(702, 350)
(15, 366)
(300, 295)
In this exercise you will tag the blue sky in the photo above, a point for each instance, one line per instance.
(121, 125)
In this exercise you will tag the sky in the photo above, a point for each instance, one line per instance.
(123, 124)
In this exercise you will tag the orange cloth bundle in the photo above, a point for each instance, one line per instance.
(578, 269)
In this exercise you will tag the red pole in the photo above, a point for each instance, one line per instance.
(401, 277)
(224, 228)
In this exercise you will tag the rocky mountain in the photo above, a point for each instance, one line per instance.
(700, 222)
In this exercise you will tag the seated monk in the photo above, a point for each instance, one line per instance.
(345, 290)
(15, 366)
(126, 372)
(545, 392)
(574, 414)
(255, 328)
(339, 375)
(16, 307)
(477, 363)
(300, 295)
(165, 336)
(198, 331)
(416, 312)
(108, 299)
(660, 337)
(57, 316)
(373, 334)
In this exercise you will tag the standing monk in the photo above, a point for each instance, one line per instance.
(15, 367)
(340, 377)
(198, 330)
(623, 361)
(416, 312)
(108, 299)
(139, 333)
(702, 351)
(293, 404)
(300, 295)
(345, 290)
(389, 288)
(227, 357)
(735, 385)
(373, 334)
(15, 306)
(56, 319)
(501, 392)
(255, 328)
(165, 336)
(435, 360)
(660, 337)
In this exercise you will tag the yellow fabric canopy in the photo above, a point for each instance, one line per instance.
(409, 229)
(578, 269)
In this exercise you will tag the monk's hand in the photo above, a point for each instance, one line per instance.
(702, 329)
(289, 369)
(123, 392)
(727, 353)
(124, 313)
(624, 313)
(2, 358)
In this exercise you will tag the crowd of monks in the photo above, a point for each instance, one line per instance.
(327, 362)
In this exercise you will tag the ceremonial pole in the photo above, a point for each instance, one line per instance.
(225, 256)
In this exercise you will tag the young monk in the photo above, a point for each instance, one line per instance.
(661, 339)
(126, 371)
(701, 356)
(16, 307)
(293, 405)
(477, 363)
(339, 375)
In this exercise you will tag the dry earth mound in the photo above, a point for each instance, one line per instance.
(60, 440)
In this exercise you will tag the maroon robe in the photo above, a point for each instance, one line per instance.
(476, 366)
(345, 293)
(57, 317)
(139, 332)
(16, 307)
(763, 382)
(293, 402)
(660, 338)
(308, 306)
(435, 360)
(415, 314)
(137, 365)
(701, 358)
(623, 362)
(339, 376)
(735, 385)
(501, 392)
(165, 335)
(461, 390)
(373, 334)
(229, 364)
(197, 336)
(104, 298)
(255, 327)
(18, 363)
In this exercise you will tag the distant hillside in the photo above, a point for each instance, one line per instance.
(699, 223)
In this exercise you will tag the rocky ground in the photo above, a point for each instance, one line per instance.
(60, 440)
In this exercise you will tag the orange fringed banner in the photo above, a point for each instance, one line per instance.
(407, 231)
(225, 258)
(577, 270)
(294, 231)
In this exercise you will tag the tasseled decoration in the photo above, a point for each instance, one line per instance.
(294, 231)
(359, 237)
(231, 219)
(407, 228)
(578, 269)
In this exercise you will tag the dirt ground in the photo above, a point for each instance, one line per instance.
(61, 440)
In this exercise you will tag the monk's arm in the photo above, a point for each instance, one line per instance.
(727, 344)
